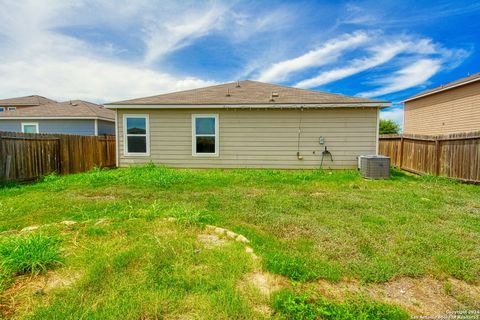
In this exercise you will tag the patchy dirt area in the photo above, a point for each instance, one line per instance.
(422, 296)
(419, 296)
(266, 283)
(28, 288)
(94, 196)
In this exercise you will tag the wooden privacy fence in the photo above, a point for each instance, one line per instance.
(26, 156)
(454, 155)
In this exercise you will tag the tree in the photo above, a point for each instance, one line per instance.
(389, 127)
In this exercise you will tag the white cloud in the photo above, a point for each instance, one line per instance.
(324, 55)
(395, 114)
(88, 79)
(35, 58)
(410, 76)
(168, 34)
(102, 50)
(381, 55)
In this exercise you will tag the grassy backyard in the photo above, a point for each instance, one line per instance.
(321, 244)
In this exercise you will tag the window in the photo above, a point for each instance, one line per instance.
(205, 135)
(2, 109)
(29, 127)
(12, 108)
(136, 134)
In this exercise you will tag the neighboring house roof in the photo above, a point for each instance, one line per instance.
(247, 92)
(443, 87)
(26, 101)
(58, 110)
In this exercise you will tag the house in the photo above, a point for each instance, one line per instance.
(23, 102)
(247, 124)
(450, 108)
(70, 117)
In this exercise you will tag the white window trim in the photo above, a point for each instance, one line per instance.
(147, 135)
(30, 124)
(12, 108)
(194, 135)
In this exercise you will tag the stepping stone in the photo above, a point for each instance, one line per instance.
(220, 231)
(241, 238)
(68, 222)
(231, 234)
(28, 229)
(101, 221)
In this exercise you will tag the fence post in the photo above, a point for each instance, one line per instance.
(7, 167)
(59, 156)
(437, 157)
(106, 157)
(401, 152)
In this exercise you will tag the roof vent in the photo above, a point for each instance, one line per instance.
(237, 85)
(228, 93)
(273, 95)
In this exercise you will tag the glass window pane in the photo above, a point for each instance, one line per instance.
(205, 144)
(205, 125)
(137, 125)
(137, 144)
(29, 128)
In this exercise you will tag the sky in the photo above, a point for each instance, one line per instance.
(105, 51)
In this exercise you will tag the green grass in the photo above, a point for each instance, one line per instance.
(311, 306)
(31, 253)
(305, 225)
(149, 269)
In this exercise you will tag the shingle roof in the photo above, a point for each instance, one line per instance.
(68, 109)
(443, 87)
(247, 92)
(26, 101)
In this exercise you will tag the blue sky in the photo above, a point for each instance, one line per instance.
(111, 50)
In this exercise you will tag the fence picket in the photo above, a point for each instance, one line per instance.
(26, 157)
(454, 155)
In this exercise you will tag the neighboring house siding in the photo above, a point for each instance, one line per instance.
(10, 125)
(67, 126)
(106, 127)
(259, 138)
(450, 111)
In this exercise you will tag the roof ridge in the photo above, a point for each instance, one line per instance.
(302, 89)
(249, 92)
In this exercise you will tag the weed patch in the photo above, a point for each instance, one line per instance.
(312, 306)
(31, 253)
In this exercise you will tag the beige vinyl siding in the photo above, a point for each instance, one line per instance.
(450, 111)
(259, 138)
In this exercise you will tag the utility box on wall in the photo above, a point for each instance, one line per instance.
(374, 167)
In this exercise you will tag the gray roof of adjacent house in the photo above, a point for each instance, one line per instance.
(443, 87)
(247, 92)
(68, 109)
(26, 101)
